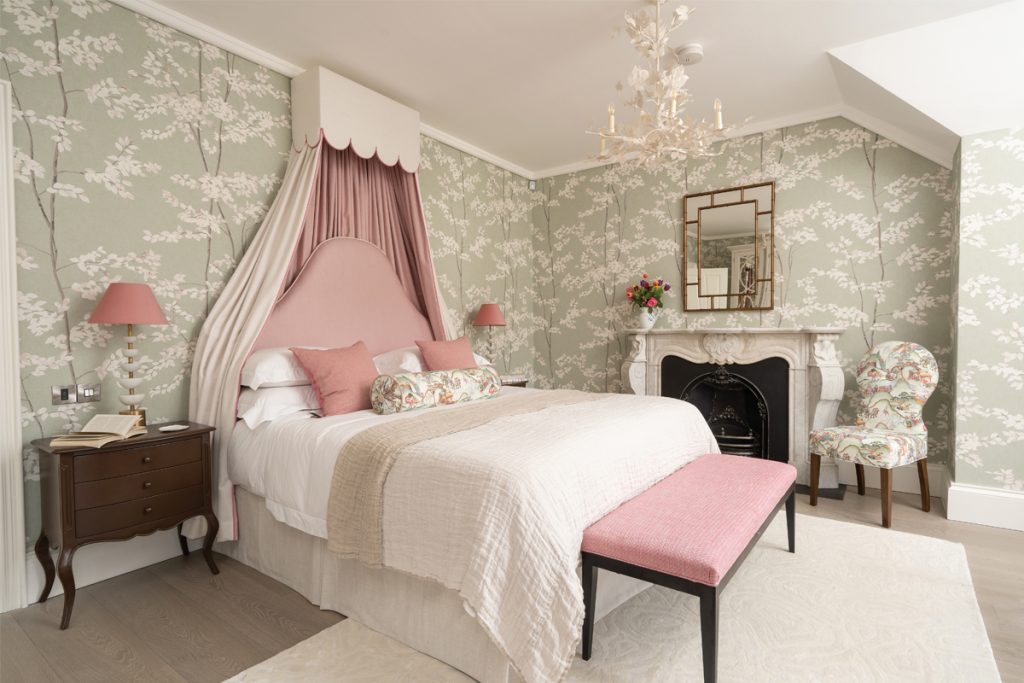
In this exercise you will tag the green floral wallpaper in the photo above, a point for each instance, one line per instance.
(990, 312)
(480, 227)
(863, 236)
(142, 154)
(863, 228)
(145, 154)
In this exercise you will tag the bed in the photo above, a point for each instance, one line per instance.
(476, 524)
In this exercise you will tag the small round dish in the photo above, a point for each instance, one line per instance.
(172, 428)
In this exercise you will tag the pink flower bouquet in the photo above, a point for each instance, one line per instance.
(647, 293)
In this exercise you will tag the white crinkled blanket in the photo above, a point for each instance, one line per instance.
(497, 512)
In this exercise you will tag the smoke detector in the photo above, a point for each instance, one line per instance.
(690, 54)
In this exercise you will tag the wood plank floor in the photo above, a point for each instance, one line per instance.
(175, 621)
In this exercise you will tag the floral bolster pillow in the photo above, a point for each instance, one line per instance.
(414, 390)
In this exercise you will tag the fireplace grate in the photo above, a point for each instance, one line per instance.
(735, 409)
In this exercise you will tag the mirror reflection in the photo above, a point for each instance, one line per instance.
(728, 247)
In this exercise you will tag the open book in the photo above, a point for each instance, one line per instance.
(101, 430)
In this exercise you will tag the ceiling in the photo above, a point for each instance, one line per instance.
(522, 80)
(957, 70)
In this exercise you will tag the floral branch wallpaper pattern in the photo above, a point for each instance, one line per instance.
(142, 154)
(863, 241)
(145, 154)
(863, 228)
(990, 312)
(480, 222)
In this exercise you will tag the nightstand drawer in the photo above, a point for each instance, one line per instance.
(119, 489)
(104, 465)
(133, 513)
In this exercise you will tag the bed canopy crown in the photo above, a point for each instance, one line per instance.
(352, 114)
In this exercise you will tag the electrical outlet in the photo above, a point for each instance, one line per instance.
(64, 394)
(88, 393)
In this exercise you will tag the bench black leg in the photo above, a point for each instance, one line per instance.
(709, 633)
(791, 521)
(589, 597)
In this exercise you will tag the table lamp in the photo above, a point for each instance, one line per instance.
(489, 316)
(129, 303)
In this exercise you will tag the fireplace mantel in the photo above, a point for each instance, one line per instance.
(816, 379)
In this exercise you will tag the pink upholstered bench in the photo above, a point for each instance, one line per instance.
(690, 532)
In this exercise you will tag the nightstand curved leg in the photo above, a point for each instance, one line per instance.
(182, 540)
(212, 525)
(67, 579)
(43, 555)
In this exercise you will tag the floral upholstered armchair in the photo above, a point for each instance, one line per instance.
(895, 380)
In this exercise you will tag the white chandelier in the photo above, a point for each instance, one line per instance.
(659, 134)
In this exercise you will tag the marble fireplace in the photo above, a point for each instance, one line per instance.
(805, 389)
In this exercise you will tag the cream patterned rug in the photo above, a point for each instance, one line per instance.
(856, 603)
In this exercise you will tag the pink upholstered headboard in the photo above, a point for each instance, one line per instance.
(330, 304)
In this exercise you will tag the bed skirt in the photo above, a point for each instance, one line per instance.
(401, 606)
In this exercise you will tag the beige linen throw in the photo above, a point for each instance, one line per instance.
(355, 508)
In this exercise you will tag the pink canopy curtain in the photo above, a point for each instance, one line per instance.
(367, 200)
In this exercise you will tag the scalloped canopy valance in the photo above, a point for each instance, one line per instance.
(352, 114)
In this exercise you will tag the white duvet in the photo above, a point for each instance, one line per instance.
(496, 513)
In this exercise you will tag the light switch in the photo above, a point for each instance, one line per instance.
(88, 393)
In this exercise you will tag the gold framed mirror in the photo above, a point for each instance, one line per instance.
(729, 249)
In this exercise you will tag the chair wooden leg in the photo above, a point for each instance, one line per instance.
(922, 475)
(815, 473)
(886, 497)
(860, 478)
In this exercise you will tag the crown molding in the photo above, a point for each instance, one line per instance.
(468, 148)
(898, 135)
(158, 12)
(154, 10)
(748, 129)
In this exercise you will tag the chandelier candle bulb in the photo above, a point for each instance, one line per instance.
(718, 114)
(611, 119)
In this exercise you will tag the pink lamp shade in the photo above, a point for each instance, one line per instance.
(128, 303)
(489, 315)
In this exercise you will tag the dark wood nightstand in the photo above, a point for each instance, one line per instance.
(125, 489)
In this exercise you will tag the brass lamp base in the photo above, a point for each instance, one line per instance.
(141, 412)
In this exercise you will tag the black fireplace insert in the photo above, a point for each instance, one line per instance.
(746, 405)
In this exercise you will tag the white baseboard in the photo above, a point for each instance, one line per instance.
(102, 561)
(982, 505)
(904, 479)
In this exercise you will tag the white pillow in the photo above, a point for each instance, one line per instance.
(257, 406)
(406, 359)
(409, 359)
(275, 367)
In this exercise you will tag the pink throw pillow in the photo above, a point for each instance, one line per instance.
(456, 354)
(341, 377)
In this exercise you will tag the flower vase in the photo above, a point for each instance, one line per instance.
(645, 318)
